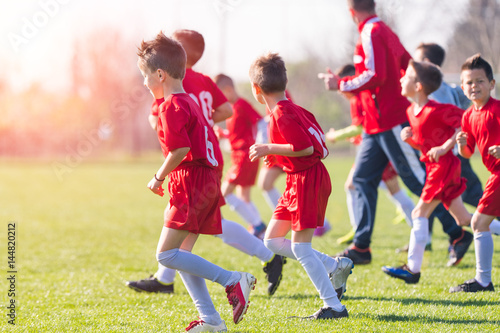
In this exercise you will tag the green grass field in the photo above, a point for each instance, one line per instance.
(80, 238)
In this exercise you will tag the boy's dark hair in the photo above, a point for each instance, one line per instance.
(477, 62)
(163, 53)
(428, 74)
(433, 52)
(364, 6)
(346, 70)
(269, 73)
(223, 80)
(192, 42)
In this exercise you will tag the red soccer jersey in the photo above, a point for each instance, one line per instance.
(181, 124)
(294, 125)
(379, 60)
(357, 114)
(483, 129)
(242, 126)
(434, 124)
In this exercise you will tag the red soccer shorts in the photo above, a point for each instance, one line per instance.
(490, 201)
(305, 198)
(443, 181)
(389, 172)
(242, 172)
(195, 200)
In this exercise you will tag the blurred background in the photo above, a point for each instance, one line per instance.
(70, 89)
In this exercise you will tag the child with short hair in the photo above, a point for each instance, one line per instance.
(191, 158)
(298, 143)
(433, 130)
(481, 127)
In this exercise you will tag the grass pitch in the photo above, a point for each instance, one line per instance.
(80, 238)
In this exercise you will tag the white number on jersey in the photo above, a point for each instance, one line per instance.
(320, 137)
(210, 150)
(205, 100)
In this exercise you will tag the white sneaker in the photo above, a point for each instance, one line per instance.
(238, 295)
(201, 326)
(339, 276)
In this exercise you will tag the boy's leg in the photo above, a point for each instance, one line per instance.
(474, 190)
(266, 180)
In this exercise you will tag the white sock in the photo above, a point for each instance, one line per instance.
(317, 274)
(196, 265)
(272, 197)
(235, 235)
(283, 247)
(403, 201)
(164, 274)
(418, 239)
(198, 291)
(495, 227)
(242, 209)
(483, 242)
(351, 200)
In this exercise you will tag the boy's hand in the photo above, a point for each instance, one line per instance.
(462, 139)
(331, 80)
(494, 151)
(330, 135)
(155, 186)
(435, 153)
(406, 133)
(258, 150)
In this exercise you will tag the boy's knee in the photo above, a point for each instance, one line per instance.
(274, 244)
(167, 257)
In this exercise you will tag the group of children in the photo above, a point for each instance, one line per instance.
(188, 104)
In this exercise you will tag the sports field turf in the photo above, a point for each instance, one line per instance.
(79, 238)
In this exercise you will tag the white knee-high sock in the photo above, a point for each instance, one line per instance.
(198, 291)
(418, 239)
(495, 227)
(196, 265)
(242, 209)
(351, 200)
(165, 275)
(272, 197)
(317, 274)
(403, 201)
(483, 242)
(283, 247)
(235, 235)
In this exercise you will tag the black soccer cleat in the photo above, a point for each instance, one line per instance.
(459, 247)
(328, 313)
(151, 285)
(358, 256)
(274, 273)
(471, 286)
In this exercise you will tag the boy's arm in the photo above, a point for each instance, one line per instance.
(153, 121)
(174, 158)
(406, 134)
(494, 151)
(463, 149)
(222, 112)
(260, 150)
(436, 152)
(344, 133)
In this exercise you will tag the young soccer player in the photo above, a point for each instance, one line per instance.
(297, 143)
(242, 129)
(481, 127)
(233, 234)
(191, 158)
(433, 130)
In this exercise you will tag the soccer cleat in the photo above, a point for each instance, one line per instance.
(357, 255)
(151, 285)
(258, 231)
(328, 313)
(459, 247)
(238, 295)
(403, 273)
(273, 269)
(339, 276)
(201, 326)
(471, 286)
(347, 238)
(320, 231)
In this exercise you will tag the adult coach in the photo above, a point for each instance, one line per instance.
(380, 59)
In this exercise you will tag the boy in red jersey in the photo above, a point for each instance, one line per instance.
(433, 131)
(298, 143)
(241, 132)
(191, 157)
(206, 94)
(481, 127)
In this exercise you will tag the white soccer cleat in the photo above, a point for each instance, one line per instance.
(339, 276)
(201, 326)
(238, 295)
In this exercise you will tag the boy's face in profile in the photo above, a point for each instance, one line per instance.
(257, 93)
(151, 81)
(476, 86)
(409, 83)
